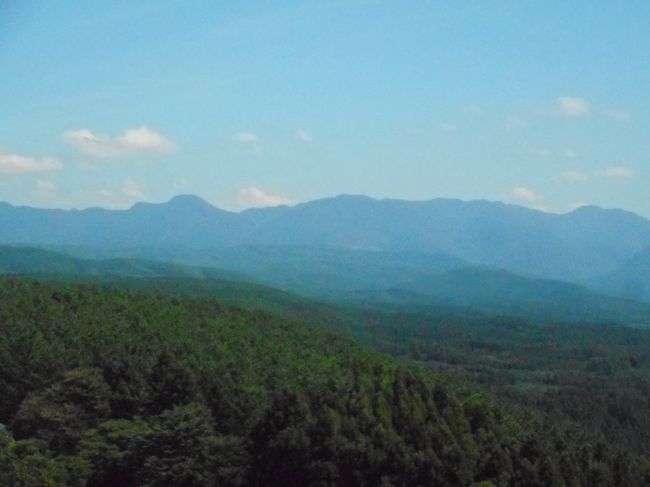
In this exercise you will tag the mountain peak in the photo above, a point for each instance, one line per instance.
(187, 199)
(585, 209)
(354, 197)
(595, 212)
(185, 204)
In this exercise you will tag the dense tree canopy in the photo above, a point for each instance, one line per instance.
(117, 387)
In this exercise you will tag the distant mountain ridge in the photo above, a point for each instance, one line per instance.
(370, 280)
(576, 246)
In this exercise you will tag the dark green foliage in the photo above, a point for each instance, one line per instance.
(29, 463)
(115, 387)
(61, 413)
(178, 447)
(594, 376)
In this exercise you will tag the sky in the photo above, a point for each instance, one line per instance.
(256, 103)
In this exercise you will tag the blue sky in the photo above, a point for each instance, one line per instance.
(544, 104)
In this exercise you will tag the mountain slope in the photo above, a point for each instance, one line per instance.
(591, 375)
(123, 395)
(575, 246)
(28, 260)
(505, 293)
(319, 271)
(631, 280)
(357, 277)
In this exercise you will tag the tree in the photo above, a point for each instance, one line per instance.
(64, 411)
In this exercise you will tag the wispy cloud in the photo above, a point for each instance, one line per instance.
(132, 190)
(303, 136)
(515, 122)
(140, 141)
(143, 139)
(253, 196)
(523, 194)
(15, 164)
(92, 145)
(44, 190)
(43, 185)
(121, 196)
(577, 204)
(572, 106)
(246, 138)
(570, 154)
(574, 177)
(616, 172)
(182, 183)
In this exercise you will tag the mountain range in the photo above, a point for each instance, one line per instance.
(356, 242)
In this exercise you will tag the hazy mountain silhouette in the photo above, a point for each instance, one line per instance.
(372, 279)
(631, 280)
(576, 246)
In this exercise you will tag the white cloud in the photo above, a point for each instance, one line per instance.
(90, 144)
(132, 190)
(247, 138)
(16, 164)
(577, 204)
(572, 106)
(303, 136)
(141, 140)
(570, 154)
(522, 194)
(526, 196)
(616, 172)
(574, 177)
(252, 196)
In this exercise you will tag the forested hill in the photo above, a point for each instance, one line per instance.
(116, 387)
(27, 260)
(410, 281)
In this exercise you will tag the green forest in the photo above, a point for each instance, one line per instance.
(103, 385)
(324, 244)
